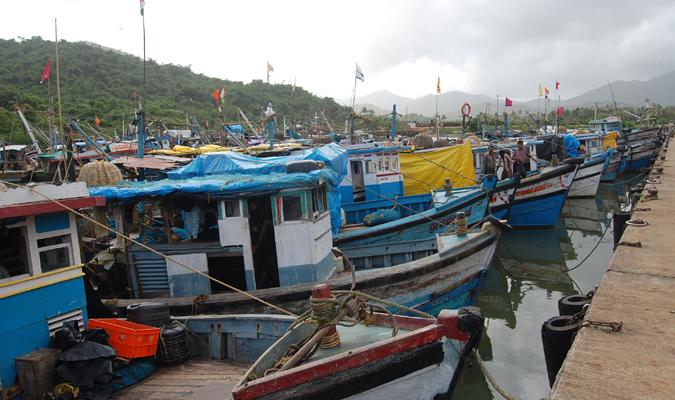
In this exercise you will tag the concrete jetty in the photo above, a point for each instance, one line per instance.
(638, 362)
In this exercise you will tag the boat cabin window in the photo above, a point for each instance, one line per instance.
(231, 208)
(55, 252)
(292, 207)
(356, 168)
(319, 203)
(379, 165)
(13, 255)
(369, 167)
(394, 164)
(387, 165)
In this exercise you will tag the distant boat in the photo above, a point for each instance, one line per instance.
(16, 163)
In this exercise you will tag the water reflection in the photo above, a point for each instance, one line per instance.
(531, 271)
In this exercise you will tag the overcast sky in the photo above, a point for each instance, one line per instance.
(482, 47)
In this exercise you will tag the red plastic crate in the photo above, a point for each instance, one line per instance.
(129, 339)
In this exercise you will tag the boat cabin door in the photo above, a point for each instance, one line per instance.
(356, 170)
(263, 245)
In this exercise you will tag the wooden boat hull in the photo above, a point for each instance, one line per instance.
(428, 358)
(455, 276)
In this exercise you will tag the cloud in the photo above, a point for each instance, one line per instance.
(489, 47)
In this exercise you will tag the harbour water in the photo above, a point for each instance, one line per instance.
(531, 271)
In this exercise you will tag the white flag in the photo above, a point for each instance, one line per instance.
(359, 73)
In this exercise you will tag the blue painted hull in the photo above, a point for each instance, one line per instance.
(639, 164)
(540, 212)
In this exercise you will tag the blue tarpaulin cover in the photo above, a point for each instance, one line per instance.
(571, 145)
(235, 128)
(231, 174)
(229, 162)
(382, 149)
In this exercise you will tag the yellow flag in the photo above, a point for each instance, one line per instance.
(541, 90)
(438, 85)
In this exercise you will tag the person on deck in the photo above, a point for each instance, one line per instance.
(506, 164)
(490, 162)
(521, 159)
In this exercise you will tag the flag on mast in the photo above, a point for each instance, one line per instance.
(557, 85)
(216, 96)
(546, 92)
(46, 71)
(97, 120)
(508, 102)
(142, 7)
(359, 73)
(438, 85)
(541, 90)
(270, 68)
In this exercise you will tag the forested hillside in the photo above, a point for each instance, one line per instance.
(101, 82)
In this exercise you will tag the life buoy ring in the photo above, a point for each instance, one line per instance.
(475, 141)
(466, 109)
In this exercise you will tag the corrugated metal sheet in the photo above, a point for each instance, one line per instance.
(148, 270)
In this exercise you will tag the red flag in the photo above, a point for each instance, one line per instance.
(546, 93)
(557, 85)
(560, 111)
(508, 102)
(216, 96)
(45, 73)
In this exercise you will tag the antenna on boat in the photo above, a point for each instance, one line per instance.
(616, 109)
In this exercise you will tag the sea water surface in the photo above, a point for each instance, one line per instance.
(530, 272)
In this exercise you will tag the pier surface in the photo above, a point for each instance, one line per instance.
(638, 362)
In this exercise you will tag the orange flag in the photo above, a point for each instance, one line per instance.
(97, 120)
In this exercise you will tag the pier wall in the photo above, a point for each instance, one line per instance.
(638, 362)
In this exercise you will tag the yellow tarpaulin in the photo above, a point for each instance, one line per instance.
(609, 140)
(425, 173)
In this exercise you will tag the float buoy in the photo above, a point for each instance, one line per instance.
(466, 109)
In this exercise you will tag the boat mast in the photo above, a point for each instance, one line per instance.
(64, 150)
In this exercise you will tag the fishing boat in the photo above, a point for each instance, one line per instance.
(452, 275)
(280, 357)
(16, 163)
(254, 223)
(597, 159)
(536, 200)
(377, 211)
(40, 269)
(439, 209)
(641, 147)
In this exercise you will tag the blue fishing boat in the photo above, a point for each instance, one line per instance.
(41, 277)
(641, 147)
(587, 179)
(536, 200)
(440, 209)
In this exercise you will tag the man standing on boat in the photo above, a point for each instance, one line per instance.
(521, 159)
(490, 162)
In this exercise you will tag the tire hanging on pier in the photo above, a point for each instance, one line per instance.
(557, 335)
(574, 303)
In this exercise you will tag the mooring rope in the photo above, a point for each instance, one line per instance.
(491, 378)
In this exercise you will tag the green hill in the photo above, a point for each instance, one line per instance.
(100, 81)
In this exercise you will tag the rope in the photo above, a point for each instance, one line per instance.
(491, 378)
(609, 224)
(150, 249)
(383, 301)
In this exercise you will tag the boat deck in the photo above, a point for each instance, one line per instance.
(195, 379)
(638, 290)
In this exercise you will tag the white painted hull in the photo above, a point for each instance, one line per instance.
(423, 384)
(587, 181)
